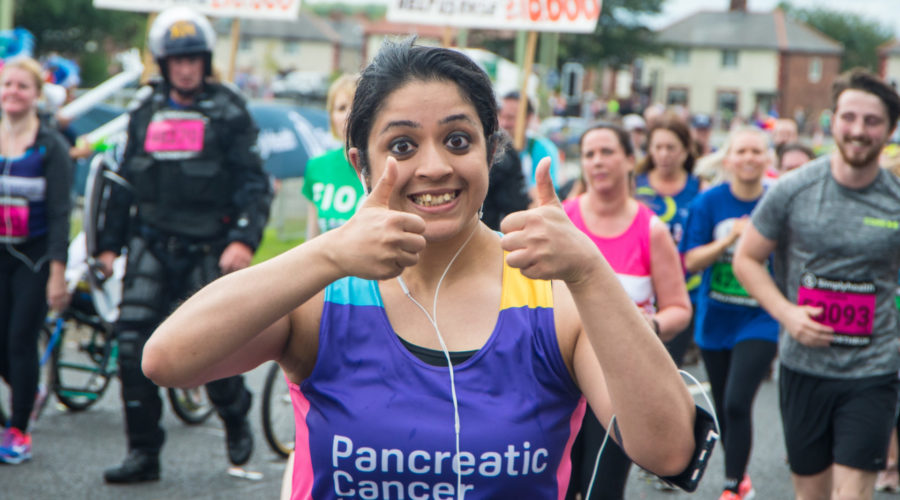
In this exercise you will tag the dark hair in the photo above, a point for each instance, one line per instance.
(515, 96)
(620, 133)
(681, 130)
(399, 63)
(861, 79)
(784, 149)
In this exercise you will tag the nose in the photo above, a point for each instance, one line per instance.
(433, 165)
(857, 126)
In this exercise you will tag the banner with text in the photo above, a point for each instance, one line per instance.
(259, 9)
(570, 16)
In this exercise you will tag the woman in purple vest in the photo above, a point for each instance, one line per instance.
(35, 181)
(427, 355)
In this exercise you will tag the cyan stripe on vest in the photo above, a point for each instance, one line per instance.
(353, 291)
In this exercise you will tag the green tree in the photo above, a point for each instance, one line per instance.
(75, 29)
(861, 37)
(620, 36)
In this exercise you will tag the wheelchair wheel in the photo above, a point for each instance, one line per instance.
(192, 406)
(278, 413)
(48, 339)
(83, 361)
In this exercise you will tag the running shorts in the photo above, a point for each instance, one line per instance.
(833, 420)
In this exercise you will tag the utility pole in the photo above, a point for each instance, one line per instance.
(6, 14)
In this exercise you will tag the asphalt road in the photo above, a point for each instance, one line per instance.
(71, 450)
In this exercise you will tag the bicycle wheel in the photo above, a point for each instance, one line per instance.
(192, 406)
(83, 361)
(278, 413)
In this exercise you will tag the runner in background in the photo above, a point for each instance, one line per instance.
(833, 226)
(793, 155)
(329, 182)
(35, 184)
(665, 183)
(737, 338)
(640, 251)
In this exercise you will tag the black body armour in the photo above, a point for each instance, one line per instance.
(181, 185)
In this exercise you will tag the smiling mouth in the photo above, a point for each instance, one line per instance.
(433, 200)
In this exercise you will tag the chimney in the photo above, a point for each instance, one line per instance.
(738, 6)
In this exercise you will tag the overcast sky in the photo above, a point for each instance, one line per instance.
(886, 12)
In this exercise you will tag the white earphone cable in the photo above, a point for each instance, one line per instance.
(432, 318)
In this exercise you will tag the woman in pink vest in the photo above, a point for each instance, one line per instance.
(641, 252)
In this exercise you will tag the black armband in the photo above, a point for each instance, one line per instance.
(705, 436)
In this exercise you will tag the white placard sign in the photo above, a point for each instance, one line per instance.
(260, 9)
(570, 16)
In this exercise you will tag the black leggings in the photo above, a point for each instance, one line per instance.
(735, 377)
(23, 306)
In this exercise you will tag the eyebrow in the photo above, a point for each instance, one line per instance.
(412, 124)
(399, 123)
(456, 117)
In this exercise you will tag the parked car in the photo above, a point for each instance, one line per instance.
(565, 132)
(302, 85)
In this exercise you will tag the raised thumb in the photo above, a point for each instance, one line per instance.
(546, 193)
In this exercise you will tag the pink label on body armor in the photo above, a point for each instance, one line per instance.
(174, 135)
(847, 313)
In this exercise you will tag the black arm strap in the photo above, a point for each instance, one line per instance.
(705, 435)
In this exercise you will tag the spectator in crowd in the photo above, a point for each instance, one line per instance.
(792, 155)
(701, 134)
(535, 148)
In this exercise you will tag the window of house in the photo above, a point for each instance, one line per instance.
(244, 44)
(729, 58)
(815, 69)
(727, 102)
(291, 47)
(681, 57)
(677, 96)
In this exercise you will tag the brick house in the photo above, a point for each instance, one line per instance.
(889, 56)
(740, 62)
(309, 43)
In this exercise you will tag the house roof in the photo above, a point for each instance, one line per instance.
(385, 27)
(747, 30)
(307, 27)
(891, 48)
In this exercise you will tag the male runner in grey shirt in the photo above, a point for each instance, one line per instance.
(834, 226)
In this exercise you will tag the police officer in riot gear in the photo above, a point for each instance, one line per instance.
(198, 203)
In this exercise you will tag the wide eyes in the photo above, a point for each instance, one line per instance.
(458, 142)
(401, 146)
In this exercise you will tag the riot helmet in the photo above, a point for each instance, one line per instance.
(180, 31)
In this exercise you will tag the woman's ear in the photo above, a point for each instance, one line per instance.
(353, 157)
(359, 164)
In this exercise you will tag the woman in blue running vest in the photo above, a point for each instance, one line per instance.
(737, 337)
(427, 355)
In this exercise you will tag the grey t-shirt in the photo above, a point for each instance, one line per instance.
(840, 248)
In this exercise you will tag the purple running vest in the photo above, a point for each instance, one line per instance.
(373, 421)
